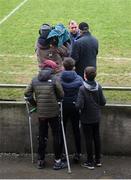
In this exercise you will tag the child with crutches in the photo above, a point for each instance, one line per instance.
(45, 89)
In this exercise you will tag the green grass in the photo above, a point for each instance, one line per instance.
(16, 70)
(6, 7)
(109, 20)
(110, 73)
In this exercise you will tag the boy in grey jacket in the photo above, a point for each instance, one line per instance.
(90, 98)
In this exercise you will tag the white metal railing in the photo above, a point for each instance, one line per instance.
(13, 85)
(108, 88)
(126, 88)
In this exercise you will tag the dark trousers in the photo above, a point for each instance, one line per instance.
(92, 135)
(43, 131)
(70, 113)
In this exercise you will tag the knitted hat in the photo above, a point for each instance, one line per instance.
(48, 63)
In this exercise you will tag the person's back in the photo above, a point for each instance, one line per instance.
(90, 98)
(85, 49)
(71, 83)
(44, 84)
(45, 90)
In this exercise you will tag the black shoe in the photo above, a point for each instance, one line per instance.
(98, 163)
(59, 165)
(88, 165)
(40, 164)
(76, 158)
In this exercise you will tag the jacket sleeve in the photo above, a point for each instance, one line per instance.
(102, 99)
(59, 90)
(97, 46)
(75, 52)
(29, 91)
(80, 100)
(63, 51)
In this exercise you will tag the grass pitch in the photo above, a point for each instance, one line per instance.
(109, 20)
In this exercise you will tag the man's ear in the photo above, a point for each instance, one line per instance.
(74, 68)
(85, 77)
(81, 32)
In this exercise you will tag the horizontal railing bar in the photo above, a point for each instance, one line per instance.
(107, 105)
(104, 87)
(118, 105)
(116, 88)
(12, 102)
(13, 85)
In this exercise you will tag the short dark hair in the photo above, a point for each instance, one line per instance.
(83, 26)
(68, 63)
(90, 73)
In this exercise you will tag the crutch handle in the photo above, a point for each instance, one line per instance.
(25, 98)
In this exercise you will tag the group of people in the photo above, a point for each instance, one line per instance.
(67, 71)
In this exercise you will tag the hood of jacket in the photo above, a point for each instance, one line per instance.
(45, 74)
(68, 76)
(91, 85)
(61, 32)
(70, 79)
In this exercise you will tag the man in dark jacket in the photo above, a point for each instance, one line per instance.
(85, 49)
(90, 98)
(71, 83)
(45, 90)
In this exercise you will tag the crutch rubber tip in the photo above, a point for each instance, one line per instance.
(69, 172)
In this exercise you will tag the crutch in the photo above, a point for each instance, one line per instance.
(30, 128)
(64, 138)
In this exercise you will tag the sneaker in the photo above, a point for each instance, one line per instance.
(76, 158)
(59, 165)
(98, 163)
(41, 164)
(88, 165)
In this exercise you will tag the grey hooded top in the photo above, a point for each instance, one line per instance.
(90, 98)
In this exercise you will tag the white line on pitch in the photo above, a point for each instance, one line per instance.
(33, 56)
(99, 74)
(17, 55)
(13, 11)
(114, 58)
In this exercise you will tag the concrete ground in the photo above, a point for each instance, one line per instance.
(14, 166)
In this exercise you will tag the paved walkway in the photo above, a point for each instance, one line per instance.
(20, 167)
